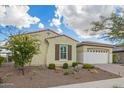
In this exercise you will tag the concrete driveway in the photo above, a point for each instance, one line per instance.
(113, 68)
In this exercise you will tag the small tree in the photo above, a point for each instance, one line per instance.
(113, 26)
(23, 48)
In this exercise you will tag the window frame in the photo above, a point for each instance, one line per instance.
(60, 52)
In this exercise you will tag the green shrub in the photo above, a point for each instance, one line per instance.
(74, 64)
(51, 66)
(114, 58)
(1, 60)
(88, 66)
(66, 73)
(65, 66)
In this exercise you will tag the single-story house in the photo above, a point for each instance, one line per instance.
(119, 54)
(94, 53)
(58, 49)
(54, 48)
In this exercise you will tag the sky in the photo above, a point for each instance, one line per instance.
(73, 21)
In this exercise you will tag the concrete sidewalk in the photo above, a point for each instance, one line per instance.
(109, 83)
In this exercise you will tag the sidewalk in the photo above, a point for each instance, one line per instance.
(109, 83)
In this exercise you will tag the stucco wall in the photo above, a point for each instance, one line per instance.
(40, 58)
(82, 55)
(51, 50)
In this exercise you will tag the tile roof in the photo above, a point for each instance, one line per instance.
(89, 43)
(118, 49)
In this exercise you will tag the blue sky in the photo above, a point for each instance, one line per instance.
(46, 13)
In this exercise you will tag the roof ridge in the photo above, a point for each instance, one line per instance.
(42, 31)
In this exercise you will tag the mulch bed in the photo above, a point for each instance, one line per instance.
(37, 77)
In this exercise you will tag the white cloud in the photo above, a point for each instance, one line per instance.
(40, 25)
(79, 18)
(16, 16)
(55, 22)
(60, 31)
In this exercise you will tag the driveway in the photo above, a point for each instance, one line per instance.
(113, 68)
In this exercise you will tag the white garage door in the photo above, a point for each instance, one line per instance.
(96, 56)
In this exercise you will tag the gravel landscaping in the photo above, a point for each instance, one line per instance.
(39, 77)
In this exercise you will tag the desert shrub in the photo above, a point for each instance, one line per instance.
(74, 64)
(1, 60)
(51, 66)
(76, 69)
(66, 73)
(88, 66)
(65, 66)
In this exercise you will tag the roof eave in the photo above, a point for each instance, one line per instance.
(95, 45)
(62, 35)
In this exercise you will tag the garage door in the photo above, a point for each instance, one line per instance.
(96, 56)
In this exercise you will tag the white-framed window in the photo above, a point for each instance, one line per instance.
(63, 52)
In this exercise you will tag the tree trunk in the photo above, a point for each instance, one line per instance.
(21, 70)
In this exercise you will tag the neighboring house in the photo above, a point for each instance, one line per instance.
(54, 48)
(94, 53)
(3, 51)
(119, 54)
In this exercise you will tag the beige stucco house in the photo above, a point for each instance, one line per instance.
(59, 49)
(54, 48)
(94, 53)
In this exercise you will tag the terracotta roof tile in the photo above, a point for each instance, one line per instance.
(89, 43)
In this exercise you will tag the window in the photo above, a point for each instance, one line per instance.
(63, 52)
(97, 50)
(88, 50)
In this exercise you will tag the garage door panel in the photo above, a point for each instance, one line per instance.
(95, 58)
